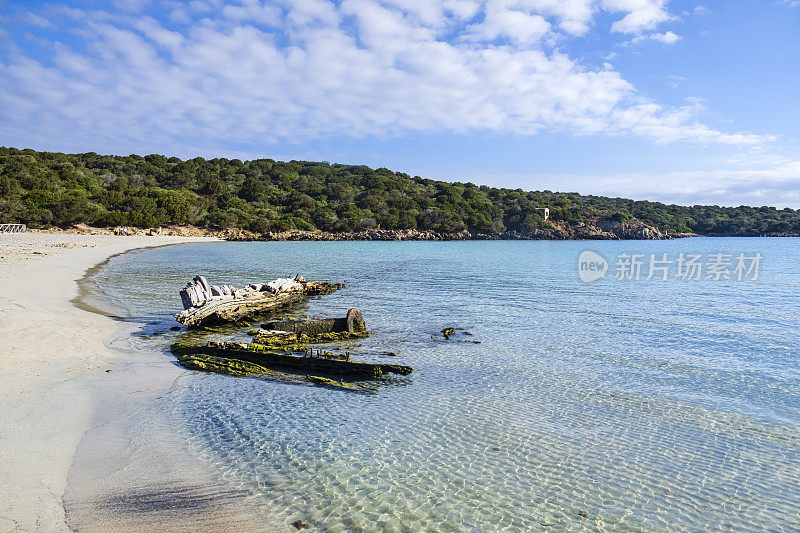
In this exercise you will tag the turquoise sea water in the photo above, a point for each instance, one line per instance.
(619, 404)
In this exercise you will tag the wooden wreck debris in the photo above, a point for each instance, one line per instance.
(325, 382)
(299, 333)
(271, 360)
(297, 341)
(216, 304)
(234, 367)
(352, 323)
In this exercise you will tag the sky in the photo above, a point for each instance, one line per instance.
(689, 102)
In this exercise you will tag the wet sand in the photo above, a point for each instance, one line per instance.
(53, 357)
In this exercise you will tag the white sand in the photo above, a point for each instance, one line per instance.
(51, 354)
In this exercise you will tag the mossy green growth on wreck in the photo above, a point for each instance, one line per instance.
(325, 382)
(353, 323)
(327, 363)
(221, 365)
(238, 368)
(291, 340)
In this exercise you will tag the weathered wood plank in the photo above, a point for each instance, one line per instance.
(352, 323)
(208, 309)
(262, 357)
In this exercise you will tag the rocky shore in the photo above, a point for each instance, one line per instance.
(598, 228)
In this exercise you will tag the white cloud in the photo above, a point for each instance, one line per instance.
(131, 5)
(520, 27)
(776, 185)
(41, 22)
(463, 9)
(308, 12)
(249, 12)
(573, 16)
(303, 69)
(669, 37)
(702, 10)
(641, 14)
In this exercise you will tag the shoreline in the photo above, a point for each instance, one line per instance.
(557, 232)
(561, 232)
(54, 354)
(136, 468)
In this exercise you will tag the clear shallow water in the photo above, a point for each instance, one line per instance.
(633, 405)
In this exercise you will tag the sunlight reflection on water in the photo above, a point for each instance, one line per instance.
(650, 404)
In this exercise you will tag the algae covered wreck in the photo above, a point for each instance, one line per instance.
(281, 349)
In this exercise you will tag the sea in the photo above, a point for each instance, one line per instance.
(589, 385)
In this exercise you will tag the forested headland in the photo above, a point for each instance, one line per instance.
(43, 189)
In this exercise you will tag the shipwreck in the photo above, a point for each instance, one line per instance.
(280, 349)
(205, 304)
(252, 359)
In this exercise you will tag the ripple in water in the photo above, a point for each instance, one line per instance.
(650, 405)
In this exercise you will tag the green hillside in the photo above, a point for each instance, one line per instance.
(45, 189)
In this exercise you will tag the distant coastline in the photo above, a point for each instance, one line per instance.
(602, 231)
(265, 199)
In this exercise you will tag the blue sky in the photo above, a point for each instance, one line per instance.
(677, 101)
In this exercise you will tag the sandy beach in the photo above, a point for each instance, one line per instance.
(52, 355)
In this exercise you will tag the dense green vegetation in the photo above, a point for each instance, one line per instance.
(44, 189)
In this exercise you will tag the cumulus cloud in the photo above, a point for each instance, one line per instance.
(778, 185)
(518, 26)
(131, 5)
(641, 14)
(669, 37)
(218, 74)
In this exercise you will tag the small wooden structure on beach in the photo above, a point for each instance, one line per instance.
(13, 228)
